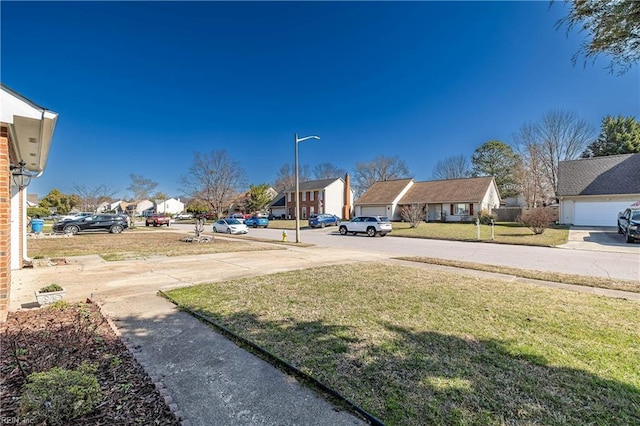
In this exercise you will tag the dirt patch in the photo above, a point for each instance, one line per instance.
(64, 336)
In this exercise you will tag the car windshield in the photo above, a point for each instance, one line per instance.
(635, 216)
(233, 222)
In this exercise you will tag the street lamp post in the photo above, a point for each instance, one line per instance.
(298, 140)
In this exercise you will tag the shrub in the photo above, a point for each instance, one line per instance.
(414, 214)
(51, 288)
(38, 211)
(537, 219)
(59, 395)
(486, 216)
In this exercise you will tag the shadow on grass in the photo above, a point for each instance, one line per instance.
(412, 378)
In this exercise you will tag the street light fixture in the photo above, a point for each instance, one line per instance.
(298, 140)
(21, 176)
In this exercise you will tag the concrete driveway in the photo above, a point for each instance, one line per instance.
(599, 239)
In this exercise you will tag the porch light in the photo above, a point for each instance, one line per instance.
(21, 176)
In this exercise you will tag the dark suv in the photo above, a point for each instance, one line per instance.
(98, 222)
(629, 224)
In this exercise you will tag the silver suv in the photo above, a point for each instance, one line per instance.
(370, 225)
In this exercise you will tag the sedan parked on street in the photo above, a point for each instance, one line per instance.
(370, 225)
(99, 222)
(230, 226)
(321, 220)
(257, 222)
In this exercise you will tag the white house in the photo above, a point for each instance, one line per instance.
(453, 200)
(592, 191)
(169, 206)
(144, 207)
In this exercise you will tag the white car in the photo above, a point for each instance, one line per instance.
(230, 226)
(183, 216)
(370, 225)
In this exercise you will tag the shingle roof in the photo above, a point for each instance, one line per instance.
(383, 192)
(313, 184)
(467, 190)
(613, 174)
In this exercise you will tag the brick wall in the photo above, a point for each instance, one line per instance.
(5, 225)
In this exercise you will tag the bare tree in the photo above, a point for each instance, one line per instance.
(286, 176)
(559, 136)
(453, 167)
(214, 178)
(327, 171)
(380, 169)
(141, 187)
(563, 136)
(90, 198)
(414, 214)
(532, 181)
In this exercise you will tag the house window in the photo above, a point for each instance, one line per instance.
(311, 195)
(304, 196)
(312, 210)
(461, 209)
(320, 195)
(289, 194)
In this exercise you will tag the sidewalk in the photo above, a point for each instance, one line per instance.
(208, 378)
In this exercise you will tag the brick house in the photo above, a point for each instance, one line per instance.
(333, 196)
(26, 131)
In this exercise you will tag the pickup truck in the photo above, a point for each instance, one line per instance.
(157, 220)
(629, 224)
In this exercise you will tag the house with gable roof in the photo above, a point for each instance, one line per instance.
(332, 196)
(591, 191)
(453, 200)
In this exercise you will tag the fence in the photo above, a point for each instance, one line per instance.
(510, 214)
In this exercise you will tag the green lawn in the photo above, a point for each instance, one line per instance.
(415, 346)
(504, 232)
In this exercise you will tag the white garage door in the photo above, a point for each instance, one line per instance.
(374, 211)
(598, 213)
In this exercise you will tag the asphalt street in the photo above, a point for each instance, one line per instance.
(621, 262)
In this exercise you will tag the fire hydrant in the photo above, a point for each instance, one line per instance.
(284, 236)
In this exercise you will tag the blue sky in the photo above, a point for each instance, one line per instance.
(141, 86)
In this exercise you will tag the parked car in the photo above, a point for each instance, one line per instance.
(74, 216)
(207, 216)
(98, 222)
(257, 221)
(323, 219)
(629, 224)
(238, 216)
(230, 226)
(181, 216)
(157, 220)
(370, 225)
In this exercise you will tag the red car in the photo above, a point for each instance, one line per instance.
(157, 220)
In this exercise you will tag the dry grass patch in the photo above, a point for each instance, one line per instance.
(415, 346)
(134, 245)
(610, 283)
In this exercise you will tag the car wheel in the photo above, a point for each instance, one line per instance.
(322, 225)
(255, 225)
(620, 230)
(228, 230)
(343, 230)
(73, 230)
(371, 231)
(116, 229)
(382, 234)
(215, 230)
(168, 224)
(628, 237)
(146, 224)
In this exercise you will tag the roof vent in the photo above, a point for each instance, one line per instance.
(33, 140)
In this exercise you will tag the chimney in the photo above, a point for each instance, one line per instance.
(346, 205)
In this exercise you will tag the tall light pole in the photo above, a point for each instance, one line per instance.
(298, 140)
